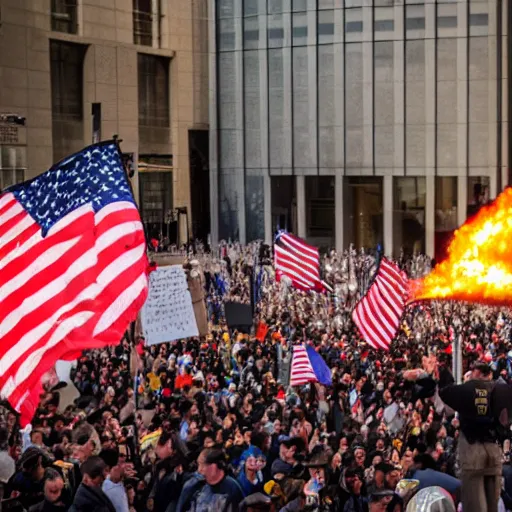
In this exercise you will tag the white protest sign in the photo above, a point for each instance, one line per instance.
(168, 313)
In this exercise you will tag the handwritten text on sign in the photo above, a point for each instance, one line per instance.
(168, 314)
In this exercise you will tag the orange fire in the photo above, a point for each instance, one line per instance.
(479, 263)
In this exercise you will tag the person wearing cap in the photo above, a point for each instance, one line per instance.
(350, 495)
(28, 483)
(482, 405)
(314, 495)
(379, 500)
(250, 477)
(257, 501)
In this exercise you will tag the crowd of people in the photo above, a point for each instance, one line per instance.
(212, 424)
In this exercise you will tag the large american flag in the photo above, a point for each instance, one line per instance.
(298, 261)
(378, 313)
(73, 268)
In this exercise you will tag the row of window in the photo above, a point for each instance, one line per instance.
(64, 16)
(326, 29)
(155, 187)
(226, 8)
(362, 209)
(67, 62)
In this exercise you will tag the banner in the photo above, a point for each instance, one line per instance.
(168, 313)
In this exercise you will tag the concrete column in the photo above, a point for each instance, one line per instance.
(430, 215)
(462, 102)
(264, 140)
(388, 214)
(312, 87)
(504, 98)
(338, 211)
(213, 134)
(368, 157)
(399, 89)
(287, 91)
(462, 112)
(339, 85)
(462, 199)
(301, 206)
(399, 97)
(267, 188)
(155, 28)
(430, 104)
(493, 99)
(239, 77)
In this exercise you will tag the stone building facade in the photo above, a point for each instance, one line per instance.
(140, 66)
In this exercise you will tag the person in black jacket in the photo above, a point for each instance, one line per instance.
(55, 499)
(170, 473)
(89, 496)
(482, 405)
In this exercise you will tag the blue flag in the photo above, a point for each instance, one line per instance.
(322, 371)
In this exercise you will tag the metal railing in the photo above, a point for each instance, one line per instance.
(142, 28)
(64, 16)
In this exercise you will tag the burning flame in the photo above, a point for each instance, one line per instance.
(479, 263)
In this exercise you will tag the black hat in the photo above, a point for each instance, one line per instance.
(384, 467)
(378, 495)
(258, 500)
(298, 442)
(318, 458)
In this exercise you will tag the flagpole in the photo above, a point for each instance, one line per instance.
(325, 285)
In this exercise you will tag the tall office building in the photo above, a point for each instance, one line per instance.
(83, 70)
(358, 122)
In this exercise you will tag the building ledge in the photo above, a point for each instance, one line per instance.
(79, 39)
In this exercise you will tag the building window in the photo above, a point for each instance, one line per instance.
(64, 16)
(445, 214)
(447, 22)
(283, 203)
(415, 23)
(409, 215)
(354, 26)
(156, 204)
(12, 165)
(153, 81)
(300, 29)
(67, 74)
(320, 207)
(363, 218)
(446, 17)
(478, 194)
(353, 20)
(384, 25)
(415, 20)
(325, 28)
(479, 20)
(143, 22)
(275, 30)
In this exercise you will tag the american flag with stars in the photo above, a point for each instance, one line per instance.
(73, 268)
